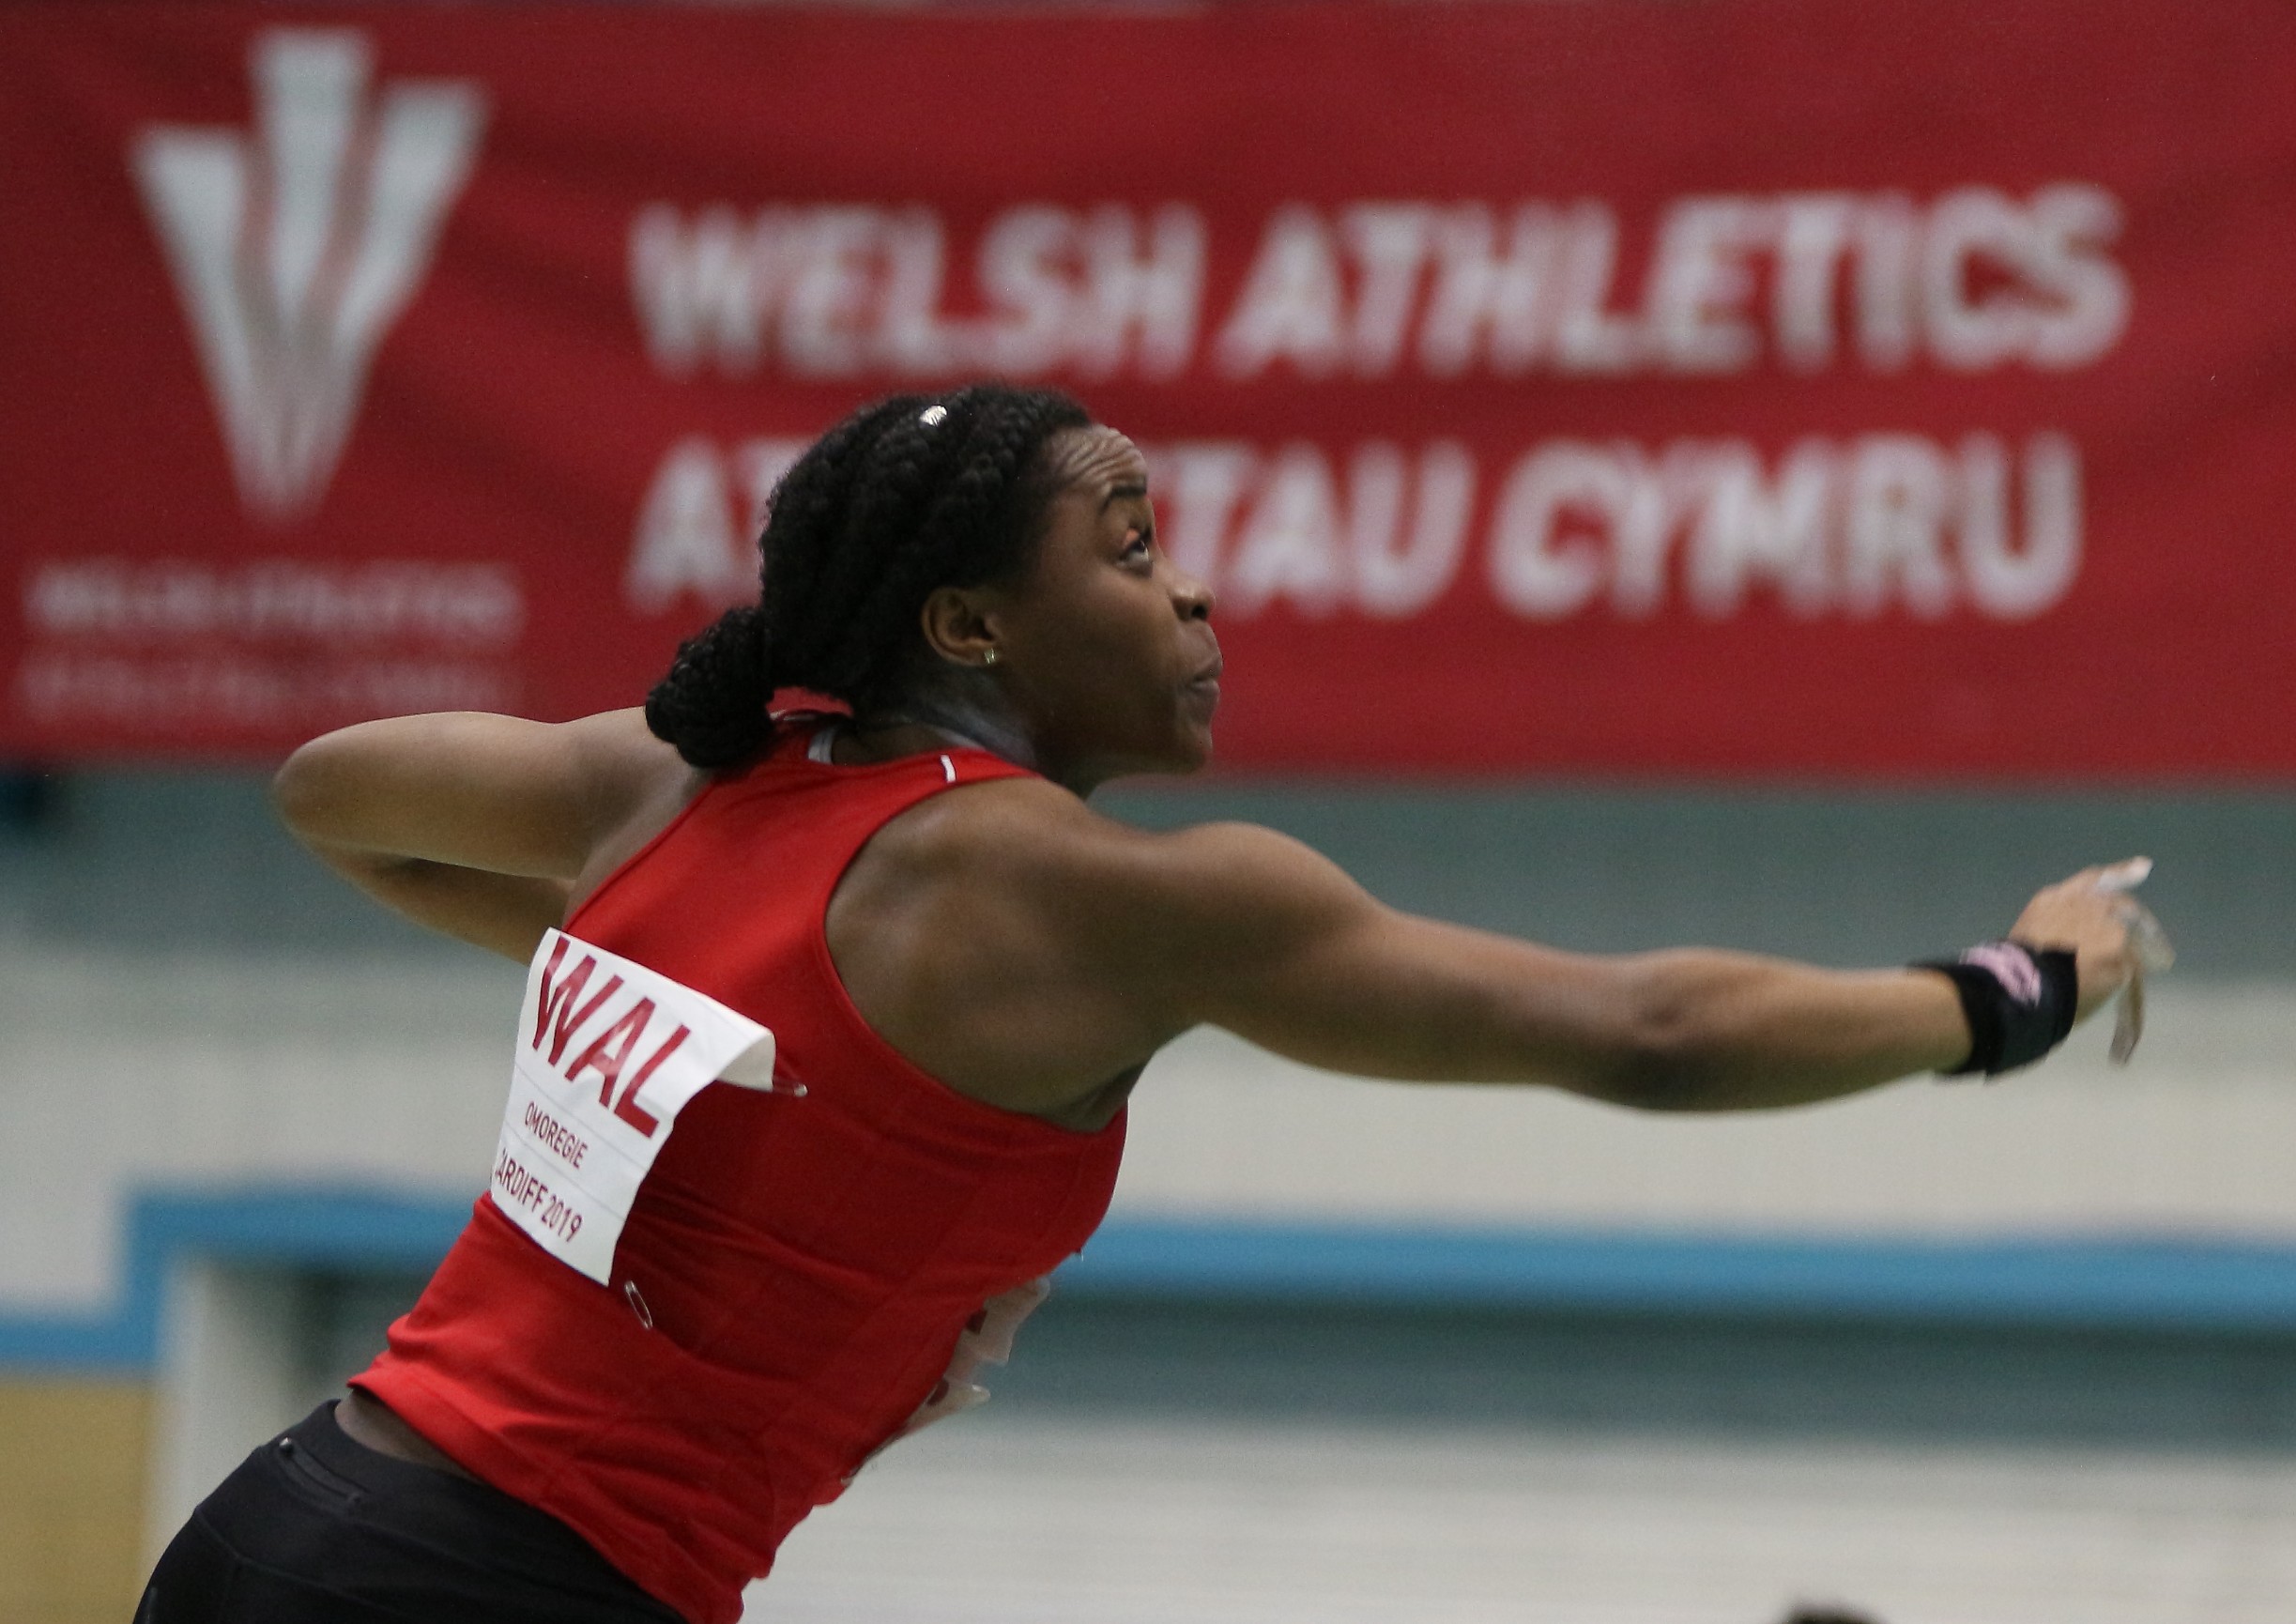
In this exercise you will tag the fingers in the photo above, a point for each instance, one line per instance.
(2128, 1025)
(2116, 938)
(2125, 875)
(2147, 942)
(2145, 946)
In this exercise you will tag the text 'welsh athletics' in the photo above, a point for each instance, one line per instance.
(1972, 280)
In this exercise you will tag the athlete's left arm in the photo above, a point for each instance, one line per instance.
(476, 825)
(1247, 929)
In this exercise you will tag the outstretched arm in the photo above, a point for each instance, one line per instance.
(1329, 976)
(1240, 927)
(478, 825)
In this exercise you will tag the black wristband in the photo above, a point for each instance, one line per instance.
(2019, 1003)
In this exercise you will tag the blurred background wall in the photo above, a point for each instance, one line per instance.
(1356, 1346)
(1946, 1353)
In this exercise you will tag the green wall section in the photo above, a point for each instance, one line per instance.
(167, 860)
(1686, 1376)
(1841, 878)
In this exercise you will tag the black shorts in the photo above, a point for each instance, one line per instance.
(314, 1527)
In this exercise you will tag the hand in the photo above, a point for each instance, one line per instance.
(2112, 936)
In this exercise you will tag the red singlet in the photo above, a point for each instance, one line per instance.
(807, 1262)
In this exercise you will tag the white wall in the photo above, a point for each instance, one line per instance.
(118, 1070)
(228, 1378)
(998, 1520)
(2191, 1138)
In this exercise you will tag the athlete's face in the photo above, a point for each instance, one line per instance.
(1106, 649)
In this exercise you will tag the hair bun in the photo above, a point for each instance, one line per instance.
(712, 706)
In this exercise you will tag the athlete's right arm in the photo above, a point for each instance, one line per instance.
(481, 826)
(1247, 929)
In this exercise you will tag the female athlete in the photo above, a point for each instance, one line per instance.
(830, 1019)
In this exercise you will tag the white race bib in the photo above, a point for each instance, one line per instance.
(608, 1053)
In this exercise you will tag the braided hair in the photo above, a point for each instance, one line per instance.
(902, 497)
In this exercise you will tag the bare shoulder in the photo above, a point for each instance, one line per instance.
(632, 785)
(1029, 845)
(619, 760)
(1033, 953)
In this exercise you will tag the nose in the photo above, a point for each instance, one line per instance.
(1190, 597)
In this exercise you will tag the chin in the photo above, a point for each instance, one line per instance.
(1194, 754)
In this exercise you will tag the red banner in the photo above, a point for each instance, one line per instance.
(1755, 387)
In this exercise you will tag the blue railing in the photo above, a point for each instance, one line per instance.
(2131, 1283)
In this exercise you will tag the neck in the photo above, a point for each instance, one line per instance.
(920, 721)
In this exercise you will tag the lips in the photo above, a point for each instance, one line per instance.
(1205, 685)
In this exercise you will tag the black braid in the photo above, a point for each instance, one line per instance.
(878, 514)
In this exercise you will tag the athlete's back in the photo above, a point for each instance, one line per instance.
(799, 1262)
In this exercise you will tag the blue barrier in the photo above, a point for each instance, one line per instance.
(331, 1227)
(2124, 1284)
(2100, 1283)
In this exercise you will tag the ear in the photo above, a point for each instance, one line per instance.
(961, 624)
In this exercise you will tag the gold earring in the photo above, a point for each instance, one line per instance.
(989, 658)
